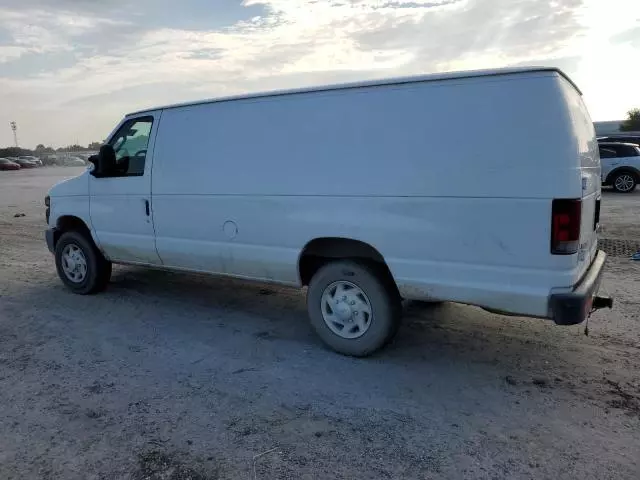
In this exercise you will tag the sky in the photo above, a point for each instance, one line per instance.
(71, 69)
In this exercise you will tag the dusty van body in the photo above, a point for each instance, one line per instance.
(365, 193)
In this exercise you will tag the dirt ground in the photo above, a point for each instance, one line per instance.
(176, 376)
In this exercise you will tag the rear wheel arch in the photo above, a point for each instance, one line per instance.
(320, 251)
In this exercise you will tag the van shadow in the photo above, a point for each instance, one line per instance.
(273, 302)
(429, 333)
(268, 312)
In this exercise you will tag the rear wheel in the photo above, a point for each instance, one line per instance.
(624, 182)
(354, 308)
(80, 265)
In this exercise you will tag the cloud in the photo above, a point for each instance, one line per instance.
(43, 32)
(111, 58)
(630, 36)
(11, 52)
(509, 29)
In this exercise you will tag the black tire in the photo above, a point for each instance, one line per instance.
(98, 268)
(628, 179)
(386, 307)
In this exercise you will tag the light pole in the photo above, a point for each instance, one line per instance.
(14, 128)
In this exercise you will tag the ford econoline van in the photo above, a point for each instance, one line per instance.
(365, 193)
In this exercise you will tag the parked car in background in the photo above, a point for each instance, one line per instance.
(73, 162)
(635, 139)
(6, 164)
(620, 165)
(24, 163)
(35, 160)
(50, 160)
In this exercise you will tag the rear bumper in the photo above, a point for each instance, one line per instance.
(574, 307)
(49, 236)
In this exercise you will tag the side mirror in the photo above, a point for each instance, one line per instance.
(94, 159)
(104, 162)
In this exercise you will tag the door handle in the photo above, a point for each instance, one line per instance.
(146, 206)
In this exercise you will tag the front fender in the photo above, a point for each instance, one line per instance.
(65, 211)
(76, 206)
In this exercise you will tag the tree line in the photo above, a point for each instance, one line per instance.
(69, 148)
(42, 150)
(632, 123)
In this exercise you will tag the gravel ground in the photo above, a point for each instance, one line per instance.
(175, 376)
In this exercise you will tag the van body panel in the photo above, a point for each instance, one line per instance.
(273, 230)
(271, 146)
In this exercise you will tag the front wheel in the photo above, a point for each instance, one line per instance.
(624, 182)
(353, 308)
(80, 265)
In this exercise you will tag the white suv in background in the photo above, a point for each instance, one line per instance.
(620, 165)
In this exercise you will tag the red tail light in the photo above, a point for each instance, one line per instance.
(565, 226)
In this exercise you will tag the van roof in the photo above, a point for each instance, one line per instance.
(371, 83)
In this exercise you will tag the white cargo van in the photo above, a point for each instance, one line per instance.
(366, 193)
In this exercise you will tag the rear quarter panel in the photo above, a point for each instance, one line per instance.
(582, 137)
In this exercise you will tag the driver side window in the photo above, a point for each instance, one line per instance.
(130, 144)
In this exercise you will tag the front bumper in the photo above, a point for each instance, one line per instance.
(574, 307)
(50, 237)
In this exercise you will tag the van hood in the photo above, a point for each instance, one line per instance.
(71, 187)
